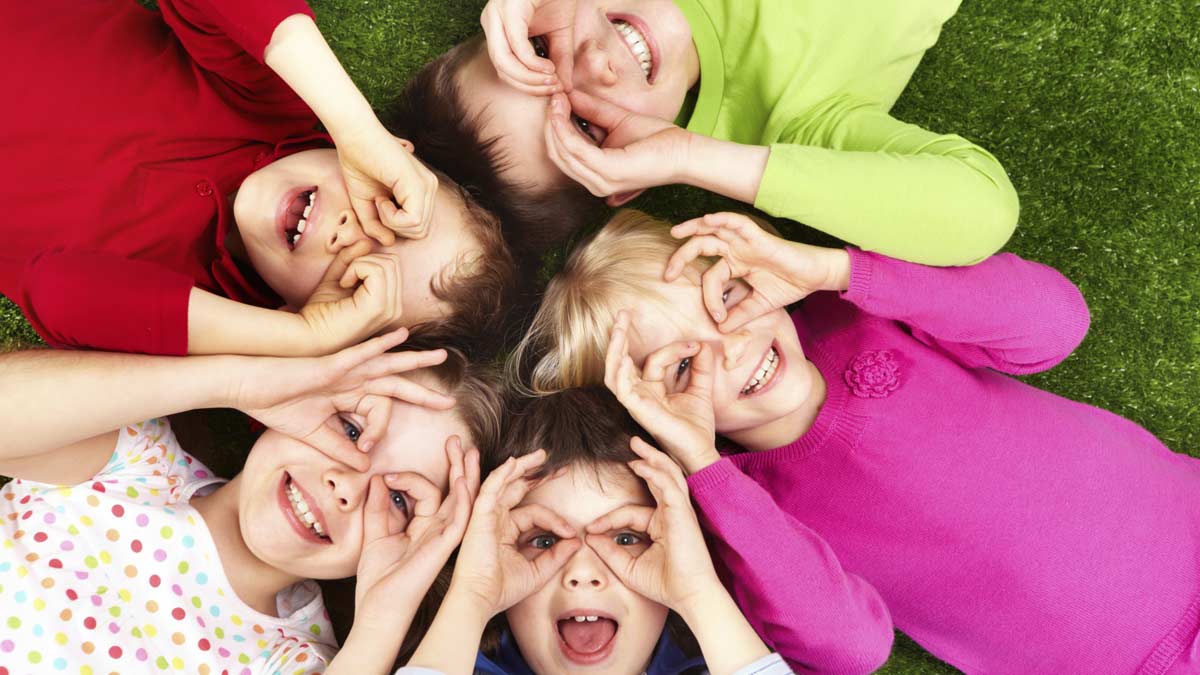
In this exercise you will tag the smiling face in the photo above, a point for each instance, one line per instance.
(619, 628)
(762, 382)
(302, 512)
(637, 54)
(294, 217)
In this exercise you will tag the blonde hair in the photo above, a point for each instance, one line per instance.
(615, 269)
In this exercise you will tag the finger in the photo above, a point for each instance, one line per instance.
(408, 219)
(562, 54)
(618, 348)
(472, 473)
(658, 459)
(704, 245)
(500, 50)
(377, 410)
(368, 219)
(749, 309)
(657, 364)
(460, 497)
(388, 213)
(712, 289)
(703, 373)
(546, 565)
(598, 111)
(426, 496)
(403, 389)
(396, 363)
(537, 517)
(631, 516)
(516, 28)
(616, 558)
(336, 446)
(662, 486)
(341, 263)
(376, 511)
(454, 455)
(359, 270)
(558, 134)
(496, 481)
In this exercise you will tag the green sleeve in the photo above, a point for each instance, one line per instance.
(853, 171)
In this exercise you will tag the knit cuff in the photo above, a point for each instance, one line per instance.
(711, 476)
(862, 271)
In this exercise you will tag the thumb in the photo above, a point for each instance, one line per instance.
(598, 111)
(616, 558)
(747, 310)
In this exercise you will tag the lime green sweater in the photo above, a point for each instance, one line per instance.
(814, 80)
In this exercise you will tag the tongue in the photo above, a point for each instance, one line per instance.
(587, 637)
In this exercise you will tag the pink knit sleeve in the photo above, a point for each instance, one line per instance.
(1006, 313)
(787, 580)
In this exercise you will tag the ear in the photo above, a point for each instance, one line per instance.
(408, 145)
(622, 198)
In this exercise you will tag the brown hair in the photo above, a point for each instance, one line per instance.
(480, 289)
(585, 427)
(432, 114)
(475, 386)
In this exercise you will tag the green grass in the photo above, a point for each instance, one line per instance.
(1092, 106)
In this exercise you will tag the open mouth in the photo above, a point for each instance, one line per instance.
(586, 636)
(633, 32)
(294, 217)
(767, 372)
(307, 521)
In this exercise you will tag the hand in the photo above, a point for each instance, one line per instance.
(297, 396)
(396, 568)
(676, 568)
(637, 152)
(379, 168)
(490, 564)
(359, 297)
(508, 26)
(681, 420)
(778, 271)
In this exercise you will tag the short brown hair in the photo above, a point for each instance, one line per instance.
(585, 427)
(432, 114)
(480, 290)
(475, 386)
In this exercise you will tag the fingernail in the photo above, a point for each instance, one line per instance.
(366, 446)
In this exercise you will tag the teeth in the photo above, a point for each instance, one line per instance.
(764, 373)
(637, 44)
(302, 510)
(303, 223)
(588, 618)
(312, 197)
(307, 210)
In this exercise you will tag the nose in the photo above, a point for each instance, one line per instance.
(345, 486)
(735, 346)
(346, 232)
(594, 62)
(585, 571)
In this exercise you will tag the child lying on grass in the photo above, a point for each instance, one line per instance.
(890, 458)
(121, 553)
(590, 558)
(166, 169)
(775, 103)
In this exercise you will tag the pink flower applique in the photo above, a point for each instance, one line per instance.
(873, 374)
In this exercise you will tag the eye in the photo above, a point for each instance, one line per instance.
(540, 47)
(594, 133)
(682, 370)
(399, 500)
(350, 429)
(627, 539)
(543, 541)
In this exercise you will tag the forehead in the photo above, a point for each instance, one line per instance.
(677, 313)
(424, 261)
(516, 118)
(416, 441)
(580, 495)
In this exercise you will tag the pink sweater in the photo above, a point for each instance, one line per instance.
(1005, 529)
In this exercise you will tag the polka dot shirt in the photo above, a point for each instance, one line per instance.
(120, 575)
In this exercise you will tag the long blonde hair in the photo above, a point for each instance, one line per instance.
(615, 269)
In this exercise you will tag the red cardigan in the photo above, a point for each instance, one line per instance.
(125, 132)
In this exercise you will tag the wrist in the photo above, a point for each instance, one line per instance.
(839, 270)
(468, 607)
(727, 168)
(696, 462)
(694, 607)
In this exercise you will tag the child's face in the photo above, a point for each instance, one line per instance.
(271, 201)
(628, 625)
(604, 66)
(761, 375)
(280, 468)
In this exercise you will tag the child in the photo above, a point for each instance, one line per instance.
(1008, 530)
(121, 553)
(780, 104)
(593, 555)
(156, 168)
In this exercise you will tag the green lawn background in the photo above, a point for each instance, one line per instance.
(1093, 106)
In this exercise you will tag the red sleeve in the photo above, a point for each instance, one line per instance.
(794, 591)
(228, 38)
(1006, 313)
(99, 300)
